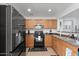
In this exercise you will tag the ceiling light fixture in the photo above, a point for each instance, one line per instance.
(49, 10)
(29, 10)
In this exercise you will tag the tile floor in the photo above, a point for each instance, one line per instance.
(50, 52)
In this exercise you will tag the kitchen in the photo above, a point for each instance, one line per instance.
(41, 29)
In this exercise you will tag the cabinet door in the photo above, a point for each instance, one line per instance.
(48, 41)
(30, 23)
(53, 43)
(30, 41)
(58, 46)
(62, 48)
(50, 24)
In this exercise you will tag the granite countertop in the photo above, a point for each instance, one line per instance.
(68, 40)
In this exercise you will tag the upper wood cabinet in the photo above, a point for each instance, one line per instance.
(47, 23)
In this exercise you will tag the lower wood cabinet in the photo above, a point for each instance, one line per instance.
(73, 48)
(60, 47)
(29, 41)
(48, 41)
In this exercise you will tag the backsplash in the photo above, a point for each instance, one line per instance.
(44, 30)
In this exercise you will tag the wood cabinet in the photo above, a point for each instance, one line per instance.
(73, 48)
(47, 23)
(51, 24)
(29, 41)
(60, 47)
(48, 40)
(57, 45)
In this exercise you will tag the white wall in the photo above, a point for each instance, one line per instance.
(76, 20)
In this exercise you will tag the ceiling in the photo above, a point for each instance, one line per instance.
(74, 14)
(41, 9)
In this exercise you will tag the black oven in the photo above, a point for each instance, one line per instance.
(39, 39)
